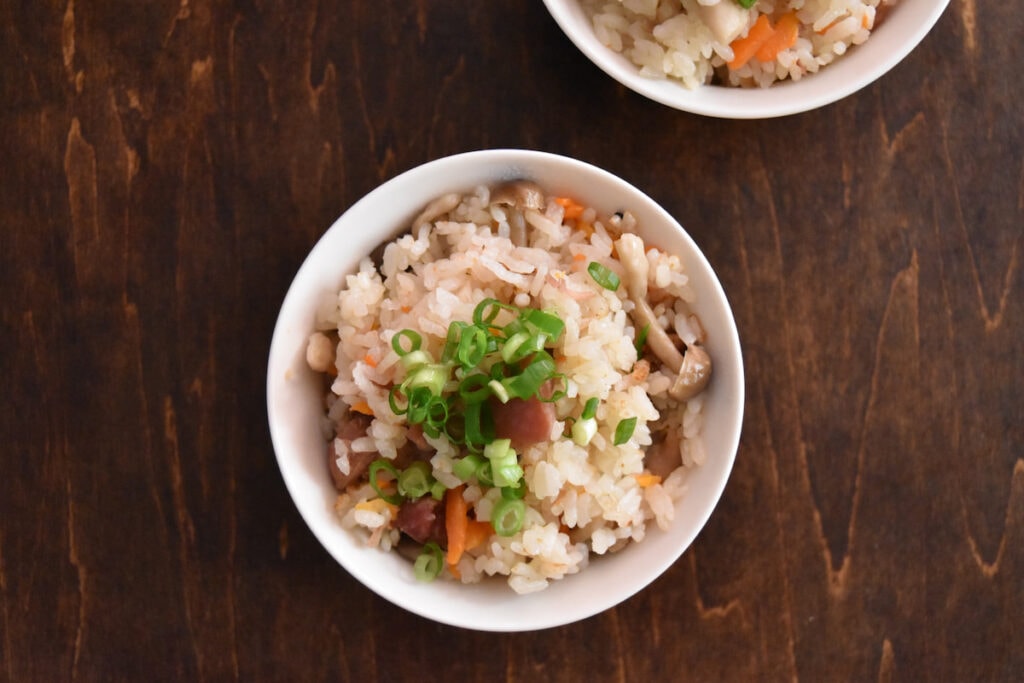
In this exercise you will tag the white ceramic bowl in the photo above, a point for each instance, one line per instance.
(294, 397)
(904, 26)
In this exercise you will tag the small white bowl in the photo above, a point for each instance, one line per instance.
(903, 27)
(294, 397)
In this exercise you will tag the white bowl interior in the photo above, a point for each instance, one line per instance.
(294, 397)
(905, 25)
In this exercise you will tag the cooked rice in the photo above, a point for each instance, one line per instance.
(581, 499)
(690, 40)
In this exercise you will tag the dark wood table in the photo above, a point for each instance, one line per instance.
(167, 165)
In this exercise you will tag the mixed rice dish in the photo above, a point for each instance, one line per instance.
(515, 386)
(742, 43)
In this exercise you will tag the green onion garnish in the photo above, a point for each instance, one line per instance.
(415, 340)
(487, 310)
(547, 324)
(429, 563)
(641, 339)
(583, 430)
(507, 516)
(624, 430)
(485, 473)
(590, 408)
(415, 481)
(466, 467)
(603, 276)
(375, 467)
(747, 4)
(514, 492)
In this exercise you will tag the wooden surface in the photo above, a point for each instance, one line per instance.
(166, 166)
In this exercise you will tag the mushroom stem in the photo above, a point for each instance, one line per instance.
(692, 368)
(633, 257)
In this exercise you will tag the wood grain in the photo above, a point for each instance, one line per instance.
(167, 165)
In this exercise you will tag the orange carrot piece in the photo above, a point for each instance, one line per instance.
(456, 521)
(578, 256)
(647, 479)
(746, 47)
(477, 533)
(370, 360)
(786, 30)
(573, 209)
(363, 407)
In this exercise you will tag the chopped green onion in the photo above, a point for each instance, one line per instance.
(512, 344)
(375, 467)
(415, 340)
(415, 481)
(393, 395)
(479, 424)
(558, 394)
(624, 430)
(432, 376)
(641, 339)
(747, 4)
(583, 431)
(507, 516)
(415, 359)
(472, 346)
(499, 449)
(546, 323)
(487, 310)
(485, 473)
(451, 343)
(603, 275)
(514, 492)
(527, 382)
(429, 562)
(508, 474)
(590, 408)
(473, 388)
(466, 467)
(499, 390)
(437, 490)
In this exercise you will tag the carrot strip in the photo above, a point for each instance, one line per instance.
(784, 37)
(477, 533)
(746, 47)
(363, 407)
(456, 522)
(646, 479)
(573, 209)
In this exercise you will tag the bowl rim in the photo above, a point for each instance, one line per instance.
(894, 39)
(514, 162)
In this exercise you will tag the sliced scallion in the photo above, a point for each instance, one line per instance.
(641, 339)
(375, 467)
(583, 430)
(429, 562)
(603, 276)
(415, 480)
(415, 340)
(507, 516)
(466, 467)
(624, 430)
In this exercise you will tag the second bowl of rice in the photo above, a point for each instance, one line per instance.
(505, 390)
(744, 60)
